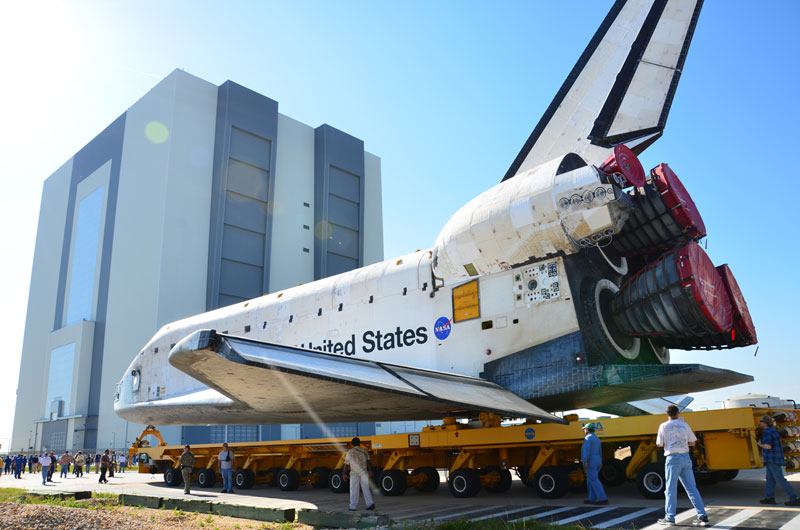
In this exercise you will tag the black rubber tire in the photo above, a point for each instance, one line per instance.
(173, 477)
(393, 482)
(464, 482)
(243, 479)
(551, 482)
(504, 482)
(272, 474)
(432, 479)
(728, 474)
(206, 478)
(523, 472)
(612, 473)
(288, 479)
(336, 483)
(605, 343)
(651, 480)
(320, 477)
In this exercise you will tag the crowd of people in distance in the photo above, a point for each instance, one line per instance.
(105, 464)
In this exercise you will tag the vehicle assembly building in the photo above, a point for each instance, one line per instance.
(197, 197)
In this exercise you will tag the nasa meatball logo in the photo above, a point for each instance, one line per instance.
(530, 434)
(442, 328)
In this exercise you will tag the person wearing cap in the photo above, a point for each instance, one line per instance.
(225, 459)
(676, 437)
(772, 456)
(358, 472)
(186, 461)
(592, 458)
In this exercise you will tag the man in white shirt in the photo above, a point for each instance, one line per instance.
(226, 468)
(357, 471)
(676, 437)
(45, 462)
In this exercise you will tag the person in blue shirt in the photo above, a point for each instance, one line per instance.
(8, 464)
(592, 458)
(19, 463)
(773, 463)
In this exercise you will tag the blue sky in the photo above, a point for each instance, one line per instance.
(445, 93)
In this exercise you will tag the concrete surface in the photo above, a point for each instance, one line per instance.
(739, 495)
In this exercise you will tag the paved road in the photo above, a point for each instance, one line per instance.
(732, 504)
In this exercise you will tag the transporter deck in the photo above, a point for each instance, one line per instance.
(544, 456)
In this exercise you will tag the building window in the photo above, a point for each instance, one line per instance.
(59, 381)
(84, 258)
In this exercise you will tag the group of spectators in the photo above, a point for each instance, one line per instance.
(105, 464)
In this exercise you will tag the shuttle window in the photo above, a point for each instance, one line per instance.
(135, 380)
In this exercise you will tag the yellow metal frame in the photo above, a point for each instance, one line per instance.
(726, 440)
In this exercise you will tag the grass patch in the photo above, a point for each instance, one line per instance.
(108, 501)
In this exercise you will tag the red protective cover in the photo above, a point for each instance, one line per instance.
(695, 269)
(624, 161)
(742, 323)
(678, 199)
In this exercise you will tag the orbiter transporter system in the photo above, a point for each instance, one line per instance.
(561, 287)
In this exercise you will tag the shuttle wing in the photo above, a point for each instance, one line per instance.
(621, 88)
(292, 385)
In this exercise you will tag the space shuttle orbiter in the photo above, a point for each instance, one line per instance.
(561, 287)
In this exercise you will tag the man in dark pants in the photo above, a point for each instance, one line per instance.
(52, 469)
(105, 462)
(186, 462)
(19, 463)
(774, 461)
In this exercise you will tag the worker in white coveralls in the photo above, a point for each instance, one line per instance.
(358, 472)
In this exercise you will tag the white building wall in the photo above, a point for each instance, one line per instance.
(160, 254)
(373, 210)
(41, 303)
(294, 186)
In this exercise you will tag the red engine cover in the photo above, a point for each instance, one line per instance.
(679, 201)
(744, 332)
(698, 272)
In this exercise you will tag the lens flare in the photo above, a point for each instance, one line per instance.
(156, 132)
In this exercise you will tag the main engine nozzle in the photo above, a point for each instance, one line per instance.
(682, 300)
(664, 215)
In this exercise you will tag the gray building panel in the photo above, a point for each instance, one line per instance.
(343, 212)
(245, 212)
(243, 180)
(338, 202)
(337, 264)
(243, 245)
(343, 241)
(237, 279)
(54, 435)
(248, 180)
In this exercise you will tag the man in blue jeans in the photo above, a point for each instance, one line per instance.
(676, 437)
(592, 458)
(773, 462)
(225, 459)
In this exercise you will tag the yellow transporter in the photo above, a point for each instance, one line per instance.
(545, 456)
